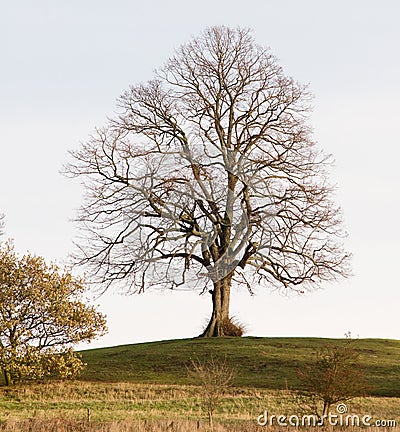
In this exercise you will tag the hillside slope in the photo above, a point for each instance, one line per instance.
(259, 362)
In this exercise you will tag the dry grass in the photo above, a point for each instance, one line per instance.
(233, 327)
(126, 407)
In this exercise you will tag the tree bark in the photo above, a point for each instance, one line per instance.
(7, 377)
(220, 313)
(326, 408)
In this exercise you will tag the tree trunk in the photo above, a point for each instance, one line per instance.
(326, 408)
(220, 314)
(7, 377)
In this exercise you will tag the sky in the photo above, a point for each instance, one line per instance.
(64, 63)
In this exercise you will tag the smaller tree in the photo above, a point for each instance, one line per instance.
(215, 377)
(42, 315)
(334, 377)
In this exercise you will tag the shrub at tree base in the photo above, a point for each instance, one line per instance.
(232, 327)
(41, 317)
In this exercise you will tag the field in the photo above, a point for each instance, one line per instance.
(147, 387)
(269, 363)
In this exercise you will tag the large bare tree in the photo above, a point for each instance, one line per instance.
(207, 177)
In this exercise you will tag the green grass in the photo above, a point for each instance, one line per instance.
(269, 363)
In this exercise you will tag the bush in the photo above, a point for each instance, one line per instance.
(335, 376)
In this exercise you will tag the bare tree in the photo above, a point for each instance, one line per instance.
(215, 376)
(335, 376)
(209, 177)
(1, 224)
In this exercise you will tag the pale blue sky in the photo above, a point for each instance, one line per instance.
(63, 63)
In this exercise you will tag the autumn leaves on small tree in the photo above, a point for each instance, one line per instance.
(42, 315)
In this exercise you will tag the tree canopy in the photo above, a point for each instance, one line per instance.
(209, 176)
(42, 316)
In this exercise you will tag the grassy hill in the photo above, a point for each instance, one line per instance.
(260, 362)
